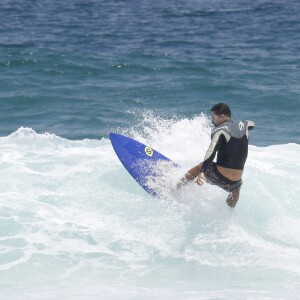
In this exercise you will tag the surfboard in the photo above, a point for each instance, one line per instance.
(143, 163)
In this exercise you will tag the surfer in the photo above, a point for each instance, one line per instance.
(230, 140)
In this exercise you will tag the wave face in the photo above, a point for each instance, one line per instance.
(75, 225)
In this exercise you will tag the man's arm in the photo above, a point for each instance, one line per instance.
(212, 150)
(209, 156)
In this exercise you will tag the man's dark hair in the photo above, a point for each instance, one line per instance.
(221, 108)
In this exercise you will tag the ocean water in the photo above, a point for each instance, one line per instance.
(73, 223)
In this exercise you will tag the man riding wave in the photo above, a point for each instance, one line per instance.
(229, 140)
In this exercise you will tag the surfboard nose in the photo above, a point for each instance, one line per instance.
(113, 135)
(117, 138)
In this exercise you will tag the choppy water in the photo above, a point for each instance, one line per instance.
(75, 68)
(73, 223)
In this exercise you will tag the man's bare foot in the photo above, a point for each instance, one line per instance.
(233, 198)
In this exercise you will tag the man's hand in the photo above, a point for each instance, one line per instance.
(201, 179)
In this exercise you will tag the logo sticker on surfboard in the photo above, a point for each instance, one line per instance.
(148, 151)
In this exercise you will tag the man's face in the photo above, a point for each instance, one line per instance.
(217, 120)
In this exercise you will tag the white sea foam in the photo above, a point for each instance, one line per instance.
(75, 225)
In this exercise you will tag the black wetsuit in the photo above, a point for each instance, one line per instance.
(230, 140)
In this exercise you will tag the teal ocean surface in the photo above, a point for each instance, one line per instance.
(73, 223)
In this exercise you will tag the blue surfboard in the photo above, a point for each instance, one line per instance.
(142, 162)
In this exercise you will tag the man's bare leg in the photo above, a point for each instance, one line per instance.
(189, 176)
(233, 198)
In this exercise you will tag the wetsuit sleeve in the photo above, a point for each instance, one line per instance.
(250, 125)
(212, 150)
